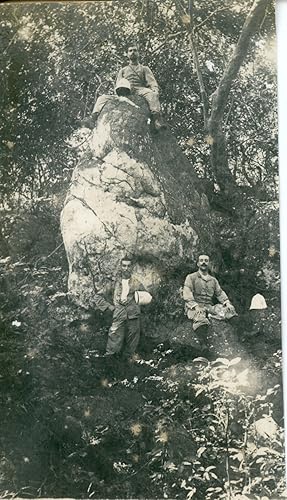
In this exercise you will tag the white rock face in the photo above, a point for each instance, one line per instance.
(116, 205)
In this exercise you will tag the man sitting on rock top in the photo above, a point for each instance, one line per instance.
(132, 79)
(125, 328)
(199, 291)
(143, 83)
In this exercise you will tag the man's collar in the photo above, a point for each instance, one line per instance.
(205, 277)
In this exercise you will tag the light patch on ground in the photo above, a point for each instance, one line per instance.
(209, 140)
(32, 353)
(25, 33)
(272, 251)
(104, 382)
(136, 429)
(84, 328)
(163, 437)
(9, 144)
(191, 141)
(87, 412)
(135, 357)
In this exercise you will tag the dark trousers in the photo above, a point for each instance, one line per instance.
(127, 330)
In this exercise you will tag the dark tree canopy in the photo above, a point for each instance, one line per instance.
(57, 56)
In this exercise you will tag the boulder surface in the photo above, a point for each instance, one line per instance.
(133, 192)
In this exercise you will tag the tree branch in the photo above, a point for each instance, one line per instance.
(190, 29)
(200, 79)
(169, 37)
(198, 26)
(221, 94)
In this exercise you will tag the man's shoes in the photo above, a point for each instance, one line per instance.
(114, 355)
(202, 335)
(89, 121)
(204, 347)
(134, 358)
(158, 122)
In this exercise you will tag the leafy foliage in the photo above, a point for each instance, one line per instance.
(56, 57)
(200, 429)
(192, 430)
(157, 428)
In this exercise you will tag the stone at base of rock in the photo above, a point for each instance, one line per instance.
(220, 339)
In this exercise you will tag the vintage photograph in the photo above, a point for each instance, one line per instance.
(140, 324)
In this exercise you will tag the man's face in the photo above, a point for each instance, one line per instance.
(203, 262)
(133, 53)
(126, 268)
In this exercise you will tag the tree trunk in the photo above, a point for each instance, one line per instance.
(219, 159)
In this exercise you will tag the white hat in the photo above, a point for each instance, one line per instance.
(123, 83)
(258, 302)
(143, 298)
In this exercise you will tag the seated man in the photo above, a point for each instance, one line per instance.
(200, 288)
(132, 79)
(125, 326)
(143, 83)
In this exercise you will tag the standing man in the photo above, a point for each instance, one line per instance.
(142, 83)
(199, 291)
(125, 326)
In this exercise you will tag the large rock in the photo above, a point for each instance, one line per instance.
(134, 192)
(221, 338)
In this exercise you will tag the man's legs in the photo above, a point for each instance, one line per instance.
(102, 101)
(202, 335)
(153, 104)
(200, 324)
(132, 336)
(90, 121)
(198, 317)
(151, 98)
(116, 337)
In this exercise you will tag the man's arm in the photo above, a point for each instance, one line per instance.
(102, 304)
(150, 79)
(187, 293)
(99, 300)
(220, 294)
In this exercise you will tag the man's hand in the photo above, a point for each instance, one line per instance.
(228, 306)
(109, 313)
(227, 303)
(198, 307)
